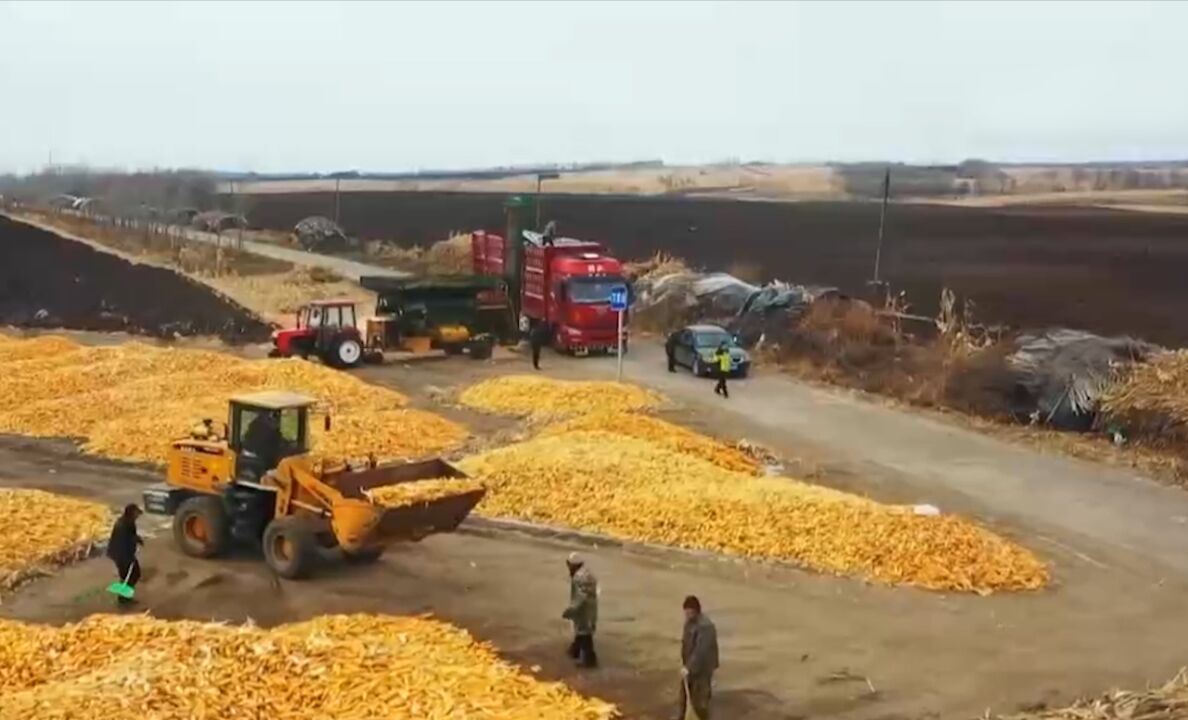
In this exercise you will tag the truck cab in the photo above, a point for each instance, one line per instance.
(576, 306)
(562, 283)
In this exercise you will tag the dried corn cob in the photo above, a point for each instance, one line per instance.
(639, 490)
(665, 434)
(40, 529)
(422, 491)
(545, 397)
(347, 667)
(128, 401)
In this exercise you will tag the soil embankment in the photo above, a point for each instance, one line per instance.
(48, 281)
(1108, 271)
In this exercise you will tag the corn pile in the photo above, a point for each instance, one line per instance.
(547, 398)
(39, 529)
(346, 667)
(1151, 400)
(668, 435)
(417, 491)
(638, 490)
(129, 401)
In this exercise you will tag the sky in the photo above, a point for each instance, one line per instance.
(303, 86)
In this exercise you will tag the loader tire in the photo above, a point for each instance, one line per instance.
(289, 547)
(201, 527)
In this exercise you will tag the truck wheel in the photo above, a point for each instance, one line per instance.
(201, 527)
(289, 547)
(346, 352)
(364, 556)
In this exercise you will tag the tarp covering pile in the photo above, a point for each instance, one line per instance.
(1064, 373)
(320, 234)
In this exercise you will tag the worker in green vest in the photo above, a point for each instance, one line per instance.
(722, 358)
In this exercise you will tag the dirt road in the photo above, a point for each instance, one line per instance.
(789, 639)
(911, 457)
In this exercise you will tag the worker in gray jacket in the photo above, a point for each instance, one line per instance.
(582, 611)
(699, 659)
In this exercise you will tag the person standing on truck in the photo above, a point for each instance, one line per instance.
(121, 548)
(538, 337)
(582, 611)
(722, 359)
(699, 659)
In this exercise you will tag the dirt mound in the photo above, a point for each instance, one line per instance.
(49, 281)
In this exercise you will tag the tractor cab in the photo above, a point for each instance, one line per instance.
(325, 329)
(264, 428)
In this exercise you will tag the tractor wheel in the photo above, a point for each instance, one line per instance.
(364, 556)
(201, 527)
(346, 352)
(289, 547)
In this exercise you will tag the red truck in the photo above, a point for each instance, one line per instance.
(562, 282)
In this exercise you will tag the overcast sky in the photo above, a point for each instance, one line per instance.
(304, 86)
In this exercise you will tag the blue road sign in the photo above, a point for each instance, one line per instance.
(618, 298)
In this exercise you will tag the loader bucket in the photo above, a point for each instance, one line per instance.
(357, 523)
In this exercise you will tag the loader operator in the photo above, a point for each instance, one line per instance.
(263, 439)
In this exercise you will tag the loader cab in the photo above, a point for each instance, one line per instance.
(265, 428)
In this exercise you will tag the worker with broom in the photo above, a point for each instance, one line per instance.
(699, 660)
(582, 611)
(121, 548)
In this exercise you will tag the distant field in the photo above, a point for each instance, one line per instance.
(1106, 270)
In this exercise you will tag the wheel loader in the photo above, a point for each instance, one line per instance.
(254, 482)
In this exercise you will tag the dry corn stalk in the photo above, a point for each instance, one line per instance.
(346, 667)
(1151, 400)
(548, 398)
(128, 401)
(638, 490)
(665, 434)
(39, 530)
(410, 493)
(1168, 702)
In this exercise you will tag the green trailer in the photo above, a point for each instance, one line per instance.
(453, 313)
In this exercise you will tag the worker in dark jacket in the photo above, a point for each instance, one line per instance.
(582, 611)
(699, 659)
(538, 337)
(121, 548)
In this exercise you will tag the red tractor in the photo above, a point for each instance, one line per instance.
(325, 329)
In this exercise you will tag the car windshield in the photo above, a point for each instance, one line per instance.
(712, 338)
(593, 290)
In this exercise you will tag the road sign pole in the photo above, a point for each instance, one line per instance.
(620, 371)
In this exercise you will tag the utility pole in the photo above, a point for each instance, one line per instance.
(336, 186)
(882, 224)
